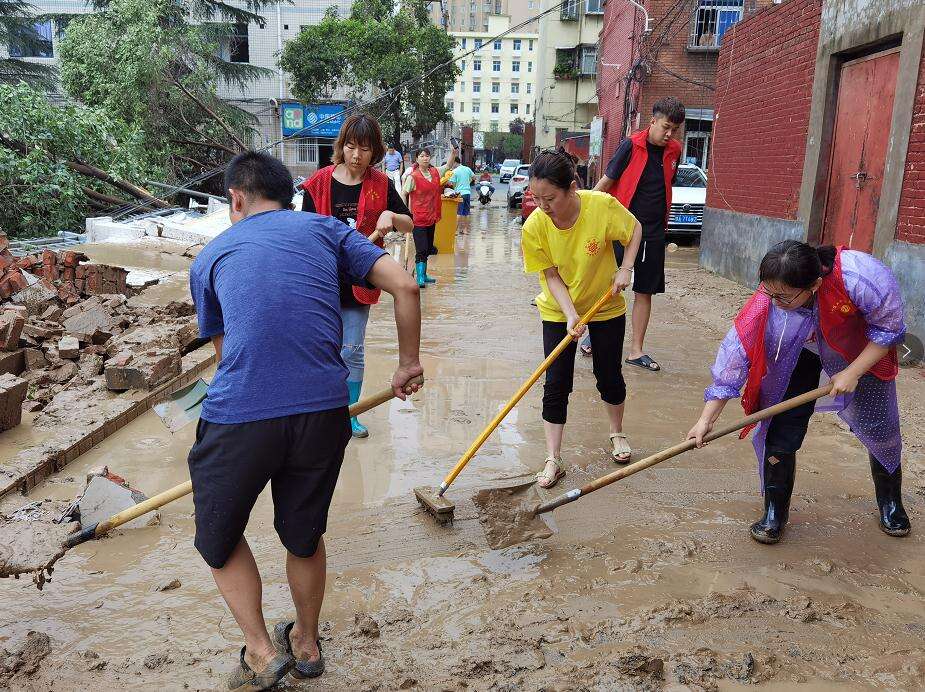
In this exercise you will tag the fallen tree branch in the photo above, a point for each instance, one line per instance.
(206, 145)
(108, 199)
(212, 114)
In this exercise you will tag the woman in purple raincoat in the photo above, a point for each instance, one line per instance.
(816, 310)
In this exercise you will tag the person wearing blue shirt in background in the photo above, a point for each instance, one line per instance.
(267, 292)
(393, 163)
(462, 180)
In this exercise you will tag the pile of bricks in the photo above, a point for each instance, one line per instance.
(60, 274)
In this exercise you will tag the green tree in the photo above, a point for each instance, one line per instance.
(168, 71)
(17, 30)
(59, 164)
(376, 49)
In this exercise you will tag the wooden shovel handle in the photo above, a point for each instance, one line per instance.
(524, 388)
(103, 527)
(682, 447)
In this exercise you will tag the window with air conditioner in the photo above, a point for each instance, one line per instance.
(711, 21)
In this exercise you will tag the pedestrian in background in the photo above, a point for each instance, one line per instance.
(425, 197)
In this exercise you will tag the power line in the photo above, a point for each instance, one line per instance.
(396, 91)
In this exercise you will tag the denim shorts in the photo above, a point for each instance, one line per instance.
(465, 206)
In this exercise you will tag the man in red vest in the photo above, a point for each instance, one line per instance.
(640, 175)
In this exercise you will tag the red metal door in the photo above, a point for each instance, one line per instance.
(862, 133)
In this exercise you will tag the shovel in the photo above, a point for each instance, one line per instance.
(183, 406)
(432, 498)
(103, 527)
(508, 522)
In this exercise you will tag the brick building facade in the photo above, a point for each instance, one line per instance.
(677, 57)
(820, 136)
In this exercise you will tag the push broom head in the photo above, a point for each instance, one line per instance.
(435, 504)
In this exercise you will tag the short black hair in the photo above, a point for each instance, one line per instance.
(256, 174)
(669, 107)
(796, 264)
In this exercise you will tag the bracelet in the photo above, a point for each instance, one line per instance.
(629, 269)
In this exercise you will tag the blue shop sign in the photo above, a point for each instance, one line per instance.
(299, 119)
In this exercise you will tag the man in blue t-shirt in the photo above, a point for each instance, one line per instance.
(267, 293)
(462, 180)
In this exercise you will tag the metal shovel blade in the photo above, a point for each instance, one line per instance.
(183, 406)
(508, 515)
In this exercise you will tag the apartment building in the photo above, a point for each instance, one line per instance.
(473, 15)
(566, 98)
(497, 83)
(269, 98)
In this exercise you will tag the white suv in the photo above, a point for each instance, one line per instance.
(508, 168)
(688, 198)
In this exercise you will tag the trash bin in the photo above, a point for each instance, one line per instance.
(445, 232)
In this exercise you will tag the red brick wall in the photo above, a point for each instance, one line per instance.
(910, 224)
(763, 97)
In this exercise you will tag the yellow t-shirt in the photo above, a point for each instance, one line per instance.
(583, 254)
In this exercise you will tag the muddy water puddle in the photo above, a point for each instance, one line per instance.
(660, 561)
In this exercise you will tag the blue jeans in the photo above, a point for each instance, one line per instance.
(352, 350)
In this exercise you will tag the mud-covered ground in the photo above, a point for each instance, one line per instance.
(649, 584)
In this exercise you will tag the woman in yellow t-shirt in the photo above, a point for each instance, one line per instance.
(569, 240)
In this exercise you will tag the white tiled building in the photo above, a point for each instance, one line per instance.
(498, 82)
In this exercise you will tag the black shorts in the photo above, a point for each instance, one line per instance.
(230, 465)
(649, 269)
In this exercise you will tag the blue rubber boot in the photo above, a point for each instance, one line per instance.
(428, 279)
(419, 273)
(357, 429)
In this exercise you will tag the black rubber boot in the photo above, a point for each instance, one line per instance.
(778, 486)
(893, 518)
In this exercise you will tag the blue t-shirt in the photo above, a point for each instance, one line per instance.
(392, 161)
(462, 180)
(270, 285)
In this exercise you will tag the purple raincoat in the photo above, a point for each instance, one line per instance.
(872, 411)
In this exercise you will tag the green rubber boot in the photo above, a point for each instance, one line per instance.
(428, 279)
(419, 273)
(357, 429)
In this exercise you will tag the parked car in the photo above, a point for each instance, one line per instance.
(688, 197)
(508, 168)
(519, 182)
(527, 205)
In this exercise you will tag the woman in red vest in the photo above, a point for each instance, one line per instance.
(816, 310)
(425, 199)
(353, 191)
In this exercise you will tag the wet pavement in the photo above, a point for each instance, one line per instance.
(657, 567)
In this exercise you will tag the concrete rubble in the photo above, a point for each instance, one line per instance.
(107, 494)
(68, 323)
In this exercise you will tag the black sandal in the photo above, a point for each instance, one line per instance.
(644, 362)
(245, 678)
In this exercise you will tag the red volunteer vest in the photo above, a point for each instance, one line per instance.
(625, 188)
(840, 322)
(425, 200)
(374, 195)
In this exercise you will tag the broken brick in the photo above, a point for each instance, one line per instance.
(52, 313)
(142, 372)
(12, 394)
(38, 329)
(11, 328)
(63, 372)
(18, 309)
(35, 359)
(69, 347)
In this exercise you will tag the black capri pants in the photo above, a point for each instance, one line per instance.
(787, 429)
(607, 353)
(423, 242)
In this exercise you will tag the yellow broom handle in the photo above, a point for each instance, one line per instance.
(496, 421)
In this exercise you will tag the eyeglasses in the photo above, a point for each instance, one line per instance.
(780, 298)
